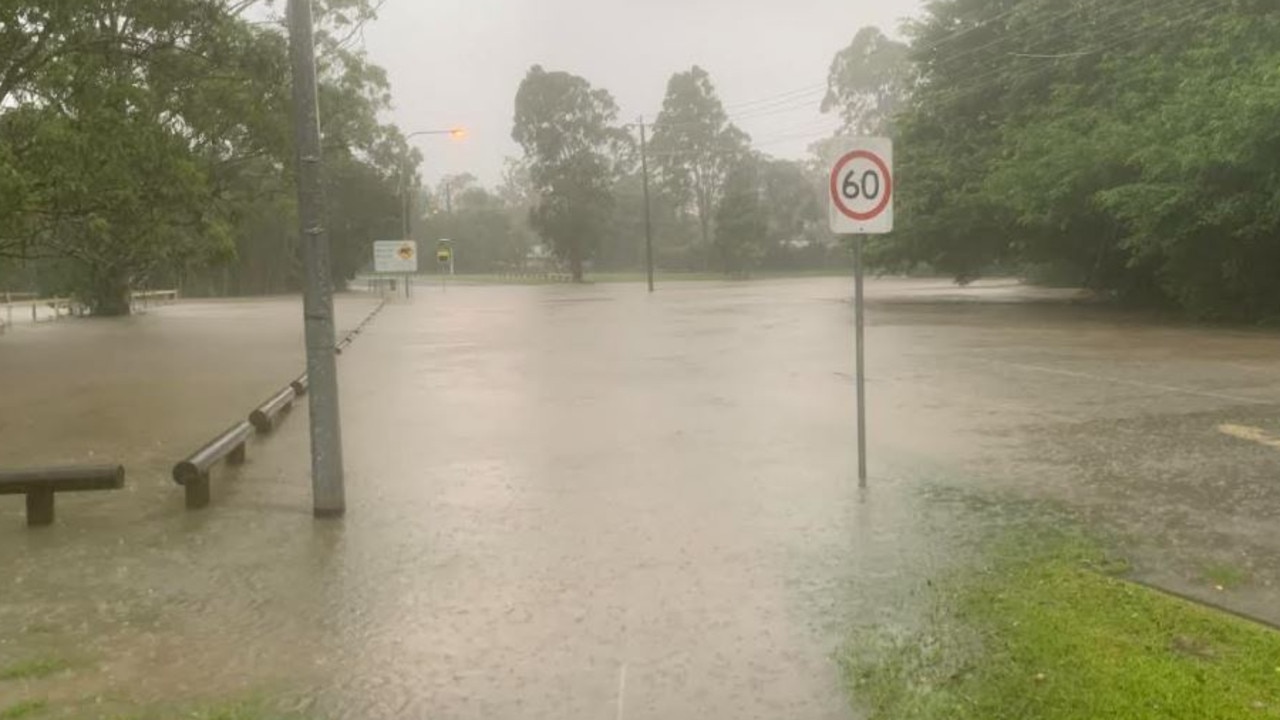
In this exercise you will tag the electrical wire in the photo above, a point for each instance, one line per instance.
(1002, 74)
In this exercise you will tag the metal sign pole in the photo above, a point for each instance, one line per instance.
(861, 203)
(862, 394)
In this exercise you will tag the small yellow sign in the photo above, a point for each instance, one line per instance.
(444, 255)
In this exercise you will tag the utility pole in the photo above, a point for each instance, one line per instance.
(327, 483)
(648, 225)
(405, 201)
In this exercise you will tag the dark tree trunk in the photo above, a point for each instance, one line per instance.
(575, 266)
(108, 293)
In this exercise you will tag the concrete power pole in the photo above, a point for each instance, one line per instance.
(329, 496)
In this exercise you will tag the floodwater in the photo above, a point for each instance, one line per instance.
(588, 502)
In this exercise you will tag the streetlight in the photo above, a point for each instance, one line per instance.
(455, 133)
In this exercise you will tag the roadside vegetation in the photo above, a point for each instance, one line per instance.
(1047, 629)
(1126, 146)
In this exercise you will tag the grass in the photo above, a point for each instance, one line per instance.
(238, 710)
(23, 709)
(1050, 633)
(1224, 576)
(33, 669)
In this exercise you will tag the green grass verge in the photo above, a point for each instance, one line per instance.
(33, 669)
(23, 709)
(1049, 633)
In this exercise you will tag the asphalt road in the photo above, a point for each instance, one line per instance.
(585, 502)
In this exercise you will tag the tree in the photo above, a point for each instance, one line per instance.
(741, 222)
(868, 83)
(694, 146)
(148, 141)
(1123, 146)
(573, 150)
(793, 203)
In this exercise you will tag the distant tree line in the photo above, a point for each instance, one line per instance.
(715, 203)
(1129, 146)
(148, 143)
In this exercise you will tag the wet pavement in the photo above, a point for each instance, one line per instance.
(587, 502)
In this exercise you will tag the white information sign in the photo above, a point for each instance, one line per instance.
(861, 187)
(395, 256)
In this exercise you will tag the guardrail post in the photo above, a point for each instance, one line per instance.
(197, 491)
(39, 507)
(237, 456)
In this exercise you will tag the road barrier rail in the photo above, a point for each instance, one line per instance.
(41, 484)
(193, 473)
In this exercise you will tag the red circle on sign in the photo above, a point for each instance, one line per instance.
(835, 185)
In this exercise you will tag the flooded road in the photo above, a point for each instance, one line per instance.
(586, 502)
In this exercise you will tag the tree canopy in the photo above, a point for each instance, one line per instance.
(1124, 146)
(147, 141)
(574, 153)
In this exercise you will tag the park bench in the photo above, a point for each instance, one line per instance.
(193, 473)
(40, 485)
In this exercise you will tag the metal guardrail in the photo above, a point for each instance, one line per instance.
(193, 473)
(40, 485)
(265, 417)
(301, 385)
(71, 306)
(539, 275)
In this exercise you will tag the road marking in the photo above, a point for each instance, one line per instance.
(1253, 434)
(1133, 383)
(622, 688)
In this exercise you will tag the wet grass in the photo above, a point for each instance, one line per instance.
(1224, 576)
(1046, 630)
(241, 709)
(33, 669)
(25, 709)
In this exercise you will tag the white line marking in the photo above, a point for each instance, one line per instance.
(1135, 383)
(1253, 434)
(622, 688)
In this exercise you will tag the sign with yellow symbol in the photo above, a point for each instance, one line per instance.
(395, 256)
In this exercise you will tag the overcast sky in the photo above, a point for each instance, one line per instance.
(459, 62)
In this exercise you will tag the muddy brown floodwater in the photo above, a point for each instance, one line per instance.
(588, 502)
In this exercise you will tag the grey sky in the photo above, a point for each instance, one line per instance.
(459, 62)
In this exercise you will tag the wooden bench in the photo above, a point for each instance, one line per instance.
(40, 485)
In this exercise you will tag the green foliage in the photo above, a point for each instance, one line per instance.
(33, 669)
(740, 220)
(1044, 632)
(24, 709)
(573, 151)
(149, 141)
(488, 234)
(868, 82)
(695, 146)
(1127, 146)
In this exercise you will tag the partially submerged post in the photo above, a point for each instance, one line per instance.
(40, 485)
(193, 473)
(861, 203)
(327, 482)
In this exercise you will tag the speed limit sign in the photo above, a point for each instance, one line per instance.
(862, 187)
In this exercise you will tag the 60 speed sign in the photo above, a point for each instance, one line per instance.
(862, 187)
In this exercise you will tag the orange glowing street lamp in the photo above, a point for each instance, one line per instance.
(458, 133)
